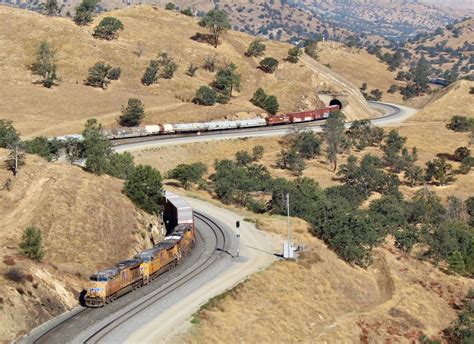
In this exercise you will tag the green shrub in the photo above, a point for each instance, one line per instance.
(256, 48)
(8, 134)
(133, 114)
(205, 96)
(84, 10)
(294, 54)
(151, 73)
(145, 189)
(108, 28)
(256, 206)
(31, 244)
(187, 12)
(269, 64)
(188, 173)
(48, 149)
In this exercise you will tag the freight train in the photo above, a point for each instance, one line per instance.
(108, 284)
(183, 128)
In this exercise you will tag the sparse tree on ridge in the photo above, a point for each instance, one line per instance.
(51, 7)
(269, 64)
(45, 64)
(133, 114)
(311, 49)
(227, 79)
(101, 74)
(217, 22)
(108, 28)
(170, 6)
(84, 10)
(256, 48)
(294, 54)
(151, 73)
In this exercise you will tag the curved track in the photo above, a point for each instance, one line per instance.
(217, 242)
(392, 114)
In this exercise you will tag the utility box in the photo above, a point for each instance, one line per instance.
(288, 251)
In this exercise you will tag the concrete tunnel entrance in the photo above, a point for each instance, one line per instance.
(336, 102)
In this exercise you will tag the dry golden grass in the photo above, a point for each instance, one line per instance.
(322, 299)
(64, 109)
(358, 66)
(442, 105)
(87, 224)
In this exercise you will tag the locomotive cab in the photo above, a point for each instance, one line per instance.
(96, 292)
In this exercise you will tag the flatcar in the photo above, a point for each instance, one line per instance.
(108, 284)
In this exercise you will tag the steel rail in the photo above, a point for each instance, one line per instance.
(310, 125)
(152, 298)
(149, 299)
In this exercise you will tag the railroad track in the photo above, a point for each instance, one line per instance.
(220, 245)
(390, 109)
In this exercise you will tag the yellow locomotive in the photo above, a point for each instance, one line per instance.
(111, 283)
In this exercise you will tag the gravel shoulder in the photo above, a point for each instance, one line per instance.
(257, 251)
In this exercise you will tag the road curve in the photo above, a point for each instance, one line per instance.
(392, 114)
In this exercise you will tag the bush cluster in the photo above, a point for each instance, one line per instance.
(267, 102)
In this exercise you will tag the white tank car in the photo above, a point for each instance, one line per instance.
(168, 128)
(254, 122)
(189, 127)
(218, 125)
(153, 129)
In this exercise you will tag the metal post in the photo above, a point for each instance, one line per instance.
(16, 160)
(289, 227)
(237, 234)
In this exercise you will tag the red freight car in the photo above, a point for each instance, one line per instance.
(278, 119)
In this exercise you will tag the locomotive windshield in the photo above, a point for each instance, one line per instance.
(96, 278)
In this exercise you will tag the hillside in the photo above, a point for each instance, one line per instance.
(397, 299)
(360, 67)
(63, 109)
(77, 213)
(442, 105)
(285, 20)
(450, 48)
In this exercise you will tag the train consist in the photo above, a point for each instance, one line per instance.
(108, 284)
(182, 128)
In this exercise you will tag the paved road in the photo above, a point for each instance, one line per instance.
(390, 114)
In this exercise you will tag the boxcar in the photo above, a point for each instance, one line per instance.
(278, 119)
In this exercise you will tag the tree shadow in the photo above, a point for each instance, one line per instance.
(446, 156)
(203, 38)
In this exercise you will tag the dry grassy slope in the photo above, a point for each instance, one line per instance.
(322, 299)
(467, 28)
(87, 224)
(63, 109)
(358, 66)
(442, 105)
